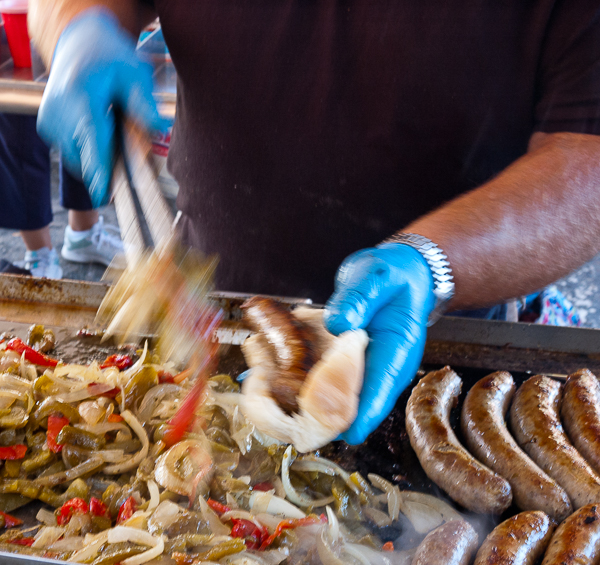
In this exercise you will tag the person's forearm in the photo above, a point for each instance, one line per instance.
(48, 18)
(531, 225)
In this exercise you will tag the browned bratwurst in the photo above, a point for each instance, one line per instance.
(444, 460)
(452, 543)
(536, 426)
(520, 540)
(292, 345)
(487, 437)
(577, 540)
(580, 413)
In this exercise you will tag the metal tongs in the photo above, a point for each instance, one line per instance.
(145, 218)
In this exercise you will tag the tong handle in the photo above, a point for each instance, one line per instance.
(135, 173)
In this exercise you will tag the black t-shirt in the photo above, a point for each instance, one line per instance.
(309, 129)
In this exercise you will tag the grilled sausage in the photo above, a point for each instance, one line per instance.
(444, 460)
(580, 413)
(291, 342)
(536, 426)
(520, 540)
(487, 437)
(577, 540)
(453, 543)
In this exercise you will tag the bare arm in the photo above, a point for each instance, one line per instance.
(532, 224)
(48, 18)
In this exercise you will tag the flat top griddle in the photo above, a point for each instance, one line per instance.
(474, 348)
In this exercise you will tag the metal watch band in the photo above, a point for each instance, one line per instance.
(443, 280)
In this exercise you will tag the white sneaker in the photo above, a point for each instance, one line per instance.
(97, 245)
(43, 263)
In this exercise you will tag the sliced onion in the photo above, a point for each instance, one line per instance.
(91, 464)
(47, 536)
(134, 461)
(154, 494)
(215, 524)
(120, 534)
(311, 463)
(165, 514)
(111, 455)
(154, 397)
(379, 518)
(326, 541)
(271, 504)
(13, 395)
(46, 517)
(295, 496)
(169, 474)
(83, 393)
(92, 543)
(241, 515)
(16, 383)
(72, 543)
(91, 412)
(426, 512)
(270, 521)
(392, 492)
(367, 556)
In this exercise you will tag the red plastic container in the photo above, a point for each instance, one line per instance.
(14, 14)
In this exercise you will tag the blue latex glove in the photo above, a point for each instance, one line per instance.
(388, 291)
(94, 68)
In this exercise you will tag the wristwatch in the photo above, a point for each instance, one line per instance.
(443, 281)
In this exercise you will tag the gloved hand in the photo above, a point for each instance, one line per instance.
(94, 69)
(388, 291)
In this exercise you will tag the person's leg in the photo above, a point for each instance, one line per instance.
(87, 238)
(83, 220)
(25, 189)
(36, 239)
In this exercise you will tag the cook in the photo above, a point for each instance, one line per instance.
(306, 131)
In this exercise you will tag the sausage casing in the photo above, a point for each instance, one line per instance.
(445, 461)
(520, 540)
(580, 413)
(488, 438)
(292, 344)
(577, 540)
(452, 543)
(536, 426)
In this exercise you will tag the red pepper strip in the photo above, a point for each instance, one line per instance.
(31, 354)
(388, 546)
(114, 418)
(264, 487)
(290, 524)
(73, 506)
(252, 535)
(10, 521)
(22, 541)
(127, 509)
(184, 417)
(165, 377)
(13, 452)
(56, 422)
(109, 393)
(97, 507)
(120, 361)
(217, 506)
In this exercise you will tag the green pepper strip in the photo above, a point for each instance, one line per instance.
(50, 406)
(81, 438)
(229, 547)
(30, 490)
(117, 552)
(37, 461)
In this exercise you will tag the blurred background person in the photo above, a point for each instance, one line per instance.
(25, 173)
